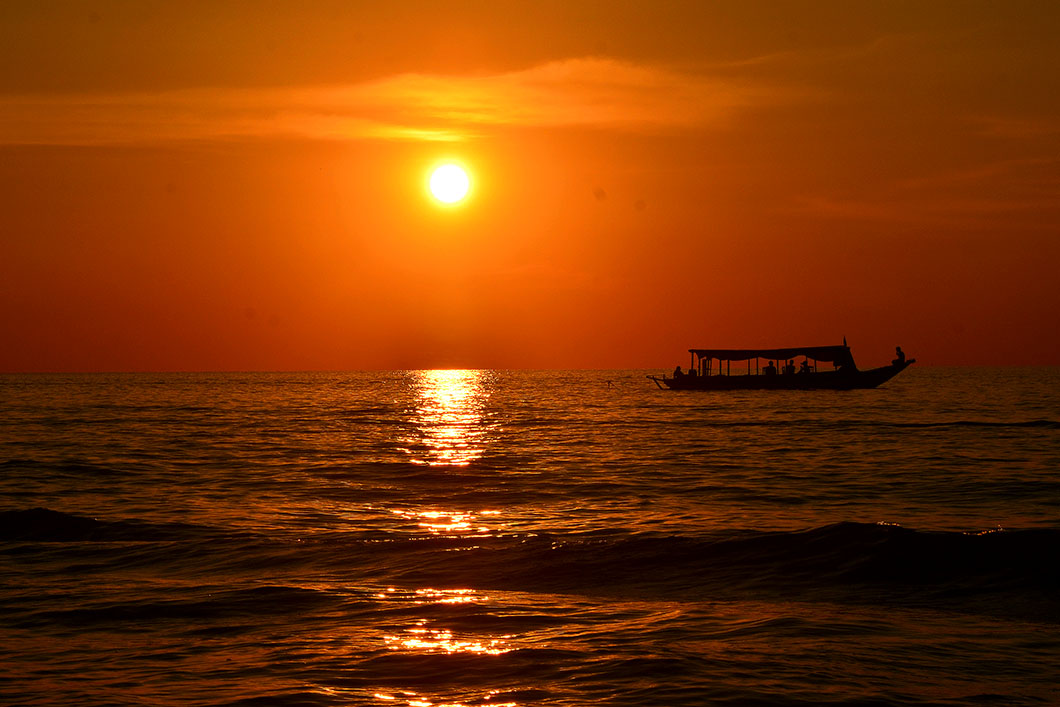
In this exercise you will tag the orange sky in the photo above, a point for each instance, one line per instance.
(241, 185)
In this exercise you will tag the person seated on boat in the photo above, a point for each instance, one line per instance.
(678, 373)
(805, 367)
(692, 373)
(900, 356)
(789, 369)
(770, 369)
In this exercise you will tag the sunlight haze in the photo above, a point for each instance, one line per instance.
(203, 186)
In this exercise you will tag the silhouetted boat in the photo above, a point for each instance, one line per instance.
(843, 375)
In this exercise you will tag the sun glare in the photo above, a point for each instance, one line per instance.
(449, 183)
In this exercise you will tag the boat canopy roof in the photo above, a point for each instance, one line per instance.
(835, 354)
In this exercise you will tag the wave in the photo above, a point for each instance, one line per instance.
(197, 605)
(853, 423)
(1044, 424)
(68, 467)
(835, 559)
(46, 525)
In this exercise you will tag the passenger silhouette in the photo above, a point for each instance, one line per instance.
(677, 372)
(770, 369)
(900, 356)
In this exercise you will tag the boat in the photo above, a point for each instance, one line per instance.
(781, 371)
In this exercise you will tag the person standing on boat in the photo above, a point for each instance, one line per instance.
(677, 372)
(805, 367)
(900, 356)
(789, 369)
(770, 370)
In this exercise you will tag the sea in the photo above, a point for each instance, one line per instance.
(474, 538)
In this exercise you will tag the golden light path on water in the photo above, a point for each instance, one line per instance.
(448, 522)
(414, 700)
(425, 639)
(448, 420)
(448, 427)
(431, 640)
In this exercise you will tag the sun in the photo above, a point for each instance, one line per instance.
(449, 183)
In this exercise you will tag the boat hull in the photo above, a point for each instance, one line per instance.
(819, 380)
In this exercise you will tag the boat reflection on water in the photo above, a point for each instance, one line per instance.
(449, 426)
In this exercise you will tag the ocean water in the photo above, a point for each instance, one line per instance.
(472, 538)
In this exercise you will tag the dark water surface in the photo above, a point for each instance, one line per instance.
(528, 538)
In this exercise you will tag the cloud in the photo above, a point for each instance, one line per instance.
(587, 92)
(1006, 213)
(1017, 127)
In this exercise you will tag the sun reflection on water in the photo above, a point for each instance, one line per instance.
(449, 522)
(449, 426)
(425, 637)
(450, 596)
(433, 596)
(449, 418)
(412, 699)
(421, 639)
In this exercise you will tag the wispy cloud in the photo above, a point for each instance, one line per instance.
(592, 92)
(952, 211)
(1017, 127)
(992, 175)
(969, 200)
